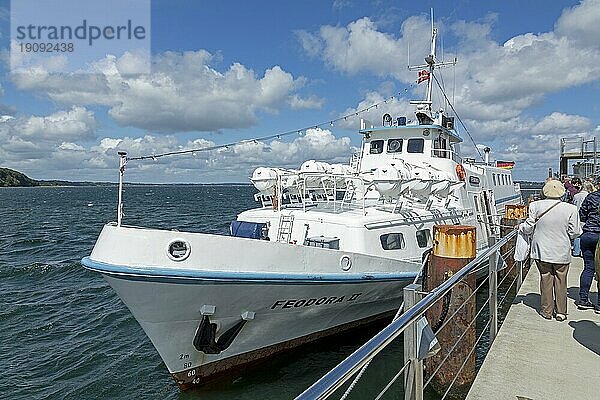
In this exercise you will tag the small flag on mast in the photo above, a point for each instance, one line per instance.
(505, 164)
(423, 76)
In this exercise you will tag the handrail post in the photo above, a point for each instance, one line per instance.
(122, 163)
(520, 275)
(413, 377)
(336, 377)
(493, 290)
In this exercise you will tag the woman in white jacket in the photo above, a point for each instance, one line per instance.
(552, 225)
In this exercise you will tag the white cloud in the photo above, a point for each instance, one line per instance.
(71, 146)
(183, 93)
(492, 79)
(396, 107)
(361, 47)
(533, 143)
(554, 124)
(311, 102)
(77, 123)
(580, 24)
(51, 159)
(31, 137)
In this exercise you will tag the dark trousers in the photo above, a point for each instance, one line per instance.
(588, 248)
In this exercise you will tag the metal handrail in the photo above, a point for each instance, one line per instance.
(335, 378)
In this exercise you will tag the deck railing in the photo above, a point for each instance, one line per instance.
(416, 303)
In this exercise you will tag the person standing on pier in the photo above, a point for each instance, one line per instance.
(587, 188)
(552, 224)
(589, 213)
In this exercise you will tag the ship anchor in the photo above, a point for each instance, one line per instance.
(205, 338)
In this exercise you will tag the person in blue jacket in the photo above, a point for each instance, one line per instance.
(589, 213)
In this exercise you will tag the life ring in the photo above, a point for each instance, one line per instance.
(387, 119)
(460, 172)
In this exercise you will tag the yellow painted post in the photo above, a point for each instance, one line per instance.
(454, 246)
(514, 215)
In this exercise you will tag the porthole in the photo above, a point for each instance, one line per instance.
(345, 263)
(178, 250)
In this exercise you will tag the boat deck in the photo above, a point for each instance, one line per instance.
(534, 358)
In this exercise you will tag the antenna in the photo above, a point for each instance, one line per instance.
(432, 27)
(430, 64)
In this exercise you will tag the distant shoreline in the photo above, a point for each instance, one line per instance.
(12, 178)
(91, 184)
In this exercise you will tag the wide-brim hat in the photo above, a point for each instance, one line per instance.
(553, 189)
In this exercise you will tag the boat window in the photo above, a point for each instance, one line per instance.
(376, 146)
(392, 241)
(510, 179)
(394, 146)
(439, 146)
(415, 145)
(178, 250)
(424, 238)
(494, 178)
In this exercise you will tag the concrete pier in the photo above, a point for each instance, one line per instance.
(533, 358)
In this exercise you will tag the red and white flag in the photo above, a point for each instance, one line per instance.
(423, 76)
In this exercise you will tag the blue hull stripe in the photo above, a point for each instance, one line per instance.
(504, 199)
(170, 275)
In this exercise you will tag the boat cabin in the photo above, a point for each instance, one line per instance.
(415, 144)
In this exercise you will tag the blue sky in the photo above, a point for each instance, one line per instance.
(527, 75)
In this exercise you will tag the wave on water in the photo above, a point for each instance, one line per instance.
(64, 332)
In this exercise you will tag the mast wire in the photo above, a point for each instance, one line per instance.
(458, 116)
(274, 136)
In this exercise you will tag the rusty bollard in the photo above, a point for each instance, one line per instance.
(514, 215)
(453, 247)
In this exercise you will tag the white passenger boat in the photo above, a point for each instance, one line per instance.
(329, 248)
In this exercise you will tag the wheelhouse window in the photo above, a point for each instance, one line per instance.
(440, 148)
(392, 241)
(415, 145)
(494, 178)
(394, 146)
(376, 147)
(424, 238)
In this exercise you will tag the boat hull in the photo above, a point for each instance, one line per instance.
(285, 316)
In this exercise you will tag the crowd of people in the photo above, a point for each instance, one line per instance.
(565, 223)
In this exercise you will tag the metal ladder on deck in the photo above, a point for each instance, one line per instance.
(349, 194)
(284, 234)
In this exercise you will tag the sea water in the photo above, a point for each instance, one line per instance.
(64, 333)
